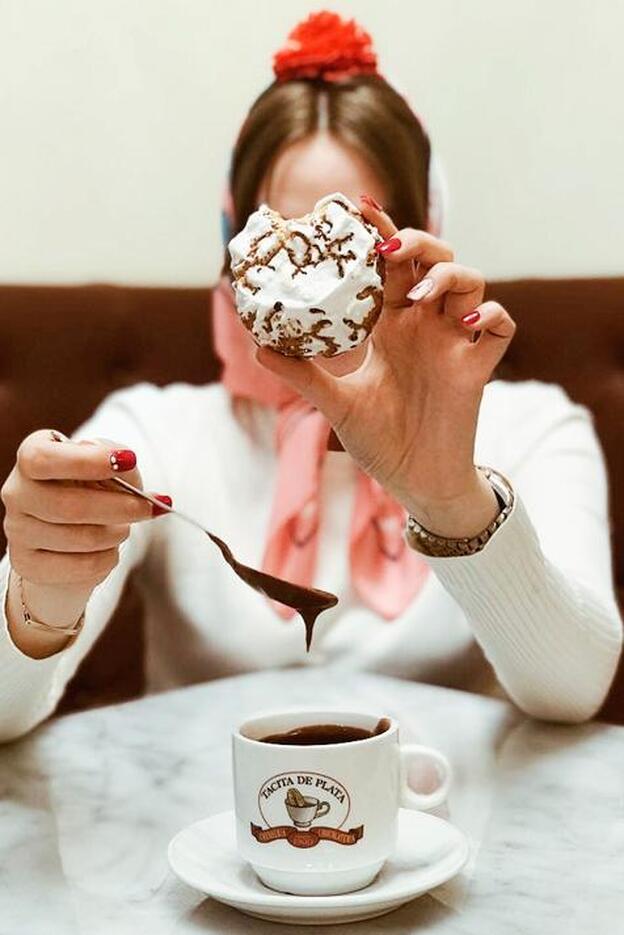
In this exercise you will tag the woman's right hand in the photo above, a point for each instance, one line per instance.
(64, 527)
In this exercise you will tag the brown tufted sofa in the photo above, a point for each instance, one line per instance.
(64, 348)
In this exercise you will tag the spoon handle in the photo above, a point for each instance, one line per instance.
(308, 602)
(59, 437)
(158, 503)
(225, 550)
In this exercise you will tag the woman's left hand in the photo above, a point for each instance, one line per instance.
(408, 414)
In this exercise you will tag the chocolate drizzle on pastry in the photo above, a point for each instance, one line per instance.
(279, 267)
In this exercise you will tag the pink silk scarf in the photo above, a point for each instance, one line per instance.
(385, 573)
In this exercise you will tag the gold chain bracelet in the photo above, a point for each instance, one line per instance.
(46, 627)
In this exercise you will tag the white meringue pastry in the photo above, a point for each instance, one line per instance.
(308, 286)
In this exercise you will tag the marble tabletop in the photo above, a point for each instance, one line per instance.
(89, 802)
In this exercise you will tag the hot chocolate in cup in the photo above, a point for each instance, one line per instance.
(317, 794)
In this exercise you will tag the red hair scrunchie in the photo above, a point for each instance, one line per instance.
(325, 46)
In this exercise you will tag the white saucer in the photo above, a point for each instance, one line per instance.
(429, 852)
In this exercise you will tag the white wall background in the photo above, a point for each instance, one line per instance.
(117, 116)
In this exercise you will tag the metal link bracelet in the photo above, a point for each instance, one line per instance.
(427, 543)
(46, 627)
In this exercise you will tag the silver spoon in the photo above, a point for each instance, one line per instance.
(308, 602)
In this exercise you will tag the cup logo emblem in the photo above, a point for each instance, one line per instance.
(302, 799)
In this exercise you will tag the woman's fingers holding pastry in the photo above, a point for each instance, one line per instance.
(408, 253)
(409, 243)
(459, 289)
(416, 245)
(399, 277)
(376, 215)
(413, 254)
(493, 328)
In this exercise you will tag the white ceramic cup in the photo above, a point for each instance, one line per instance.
(322, 819)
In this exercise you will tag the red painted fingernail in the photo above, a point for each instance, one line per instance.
(371, 202)
(472, 318)
(156, 511)
(123, 460)
(388, 246)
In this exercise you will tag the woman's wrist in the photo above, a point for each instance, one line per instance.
(464, 513)
(61, 606)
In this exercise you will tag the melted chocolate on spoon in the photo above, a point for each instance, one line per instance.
(308, 602)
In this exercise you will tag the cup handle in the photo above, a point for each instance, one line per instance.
(424, 800)
(323, 808)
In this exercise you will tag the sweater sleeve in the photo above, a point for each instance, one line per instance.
(31, 688)
(539, 596)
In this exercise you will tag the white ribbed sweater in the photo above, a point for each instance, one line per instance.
(533, 614)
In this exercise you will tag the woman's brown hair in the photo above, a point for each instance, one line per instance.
(364, 112)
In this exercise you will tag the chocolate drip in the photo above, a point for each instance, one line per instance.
(308, 602)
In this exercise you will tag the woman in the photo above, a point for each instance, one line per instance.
(525, 606)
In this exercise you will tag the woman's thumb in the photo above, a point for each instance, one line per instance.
(315, 384)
